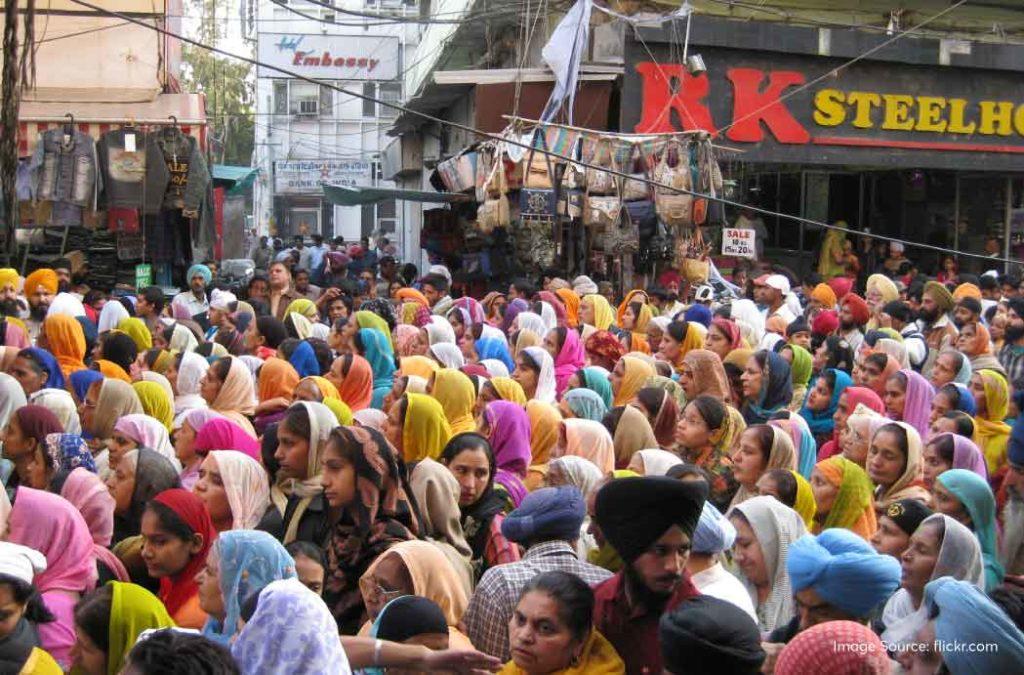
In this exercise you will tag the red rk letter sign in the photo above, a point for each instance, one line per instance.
(752, 105)
(659, 99)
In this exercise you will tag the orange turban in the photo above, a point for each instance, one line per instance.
(44, 277)
(824, 294)
(966, 291)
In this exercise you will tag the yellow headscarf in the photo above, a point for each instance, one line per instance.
(138, 332)
(636, 373)
(425, 430)
(155, 402)
(340, 409)
(455, 392)
(632, 296)
(367, 319)
(597, 658)
(854, 506)
(544, 421)
(991, 432)
(805, 504)
(420, 366)
(163, 361)
(509, 390)
(604, 317)
(304, 307)
(966, 291)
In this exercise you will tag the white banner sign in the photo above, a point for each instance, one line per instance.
(329, 57)
(738, 243)
(306, 176)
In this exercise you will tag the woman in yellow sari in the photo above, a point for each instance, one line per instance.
(635, 320)
(595, 311)
(991, 432)
(417, 427)
(544, 424)
(455, 392)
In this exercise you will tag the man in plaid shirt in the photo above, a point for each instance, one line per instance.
(547, 524)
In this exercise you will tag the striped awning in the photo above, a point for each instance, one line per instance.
(96, 119)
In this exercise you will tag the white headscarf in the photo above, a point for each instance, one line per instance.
(776, 526)
(12, 397)
(487, 331)
(149, 433)
(532, 322)
(246, 487)
(584, 285)
(183, 339)
(546, 378)
(21, 562)
(303, 326)
(321, 422)
(113, 313)
(371, 418)
(191, 371)
(657, 462)
(65, 303)
(959, 557)
(442, 270)
(495, 368)
(222, 299)
(252, 362)
(579, 472)
(749, 320)
(440, 330)
(63, 407)
(448, 355)
(547, 313)
(320, 331)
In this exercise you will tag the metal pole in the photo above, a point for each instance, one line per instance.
(1008, 212)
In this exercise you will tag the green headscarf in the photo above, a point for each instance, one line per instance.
(802, 365)
(367, 319)
(133, 610)
(594, 379)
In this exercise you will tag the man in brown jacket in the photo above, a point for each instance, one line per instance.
(939, 331)
(281, 291)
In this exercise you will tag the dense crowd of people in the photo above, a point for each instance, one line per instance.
(348, 466)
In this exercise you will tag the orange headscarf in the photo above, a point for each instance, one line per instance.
(277, 379)
(111, 369)
(625, 303)
(66, 340)
(357, 388)
(412, 295)
(981, 343)
(571, 300)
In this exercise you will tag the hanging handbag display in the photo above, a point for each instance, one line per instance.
(459, 173)
(494, 211)
(600, 182)
(635, 188)
(575, 176)
(692, 258)
(535, 201)
(674, 208)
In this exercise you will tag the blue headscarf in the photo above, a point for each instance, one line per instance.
(776, 390)
(821, 423)
(698, 313)
(69, 452)
(844, 570)
(81, 380)
(303, 359)
(974, 493)
(807, 451)
(965, 402)
(586, 404)
(968, 616)
(1015, 447)
(55, 377)
(714, 533)
(249, 560)
(963, 376)
(597, 380)
(381, 362)
(89, 331)
(201, 270)
(407, 616)
(493, 348)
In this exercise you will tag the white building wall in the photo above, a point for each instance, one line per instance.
(344, 128)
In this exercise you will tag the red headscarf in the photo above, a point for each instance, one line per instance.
(177, 590)
(730, 330)
(858, 308)
(841, 286)
(606, 345)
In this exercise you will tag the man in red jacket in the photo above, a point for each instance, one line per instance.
(649, 521)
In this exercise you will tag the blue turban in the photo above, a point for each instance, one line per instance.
(304, 361)
(844, 570)
(545, 515)
(714, 532)
(967, 616)
(201, 270)
(1015, 448)
(699, 313)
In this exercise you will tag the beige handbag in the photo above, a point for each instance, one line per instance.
(600, 182)
(575, 176)
(674, 208)
(494, 212)
(635, 189)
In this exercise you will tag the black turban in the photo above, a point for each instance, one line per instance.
(635, 512)
(907, 514)
(709, 635)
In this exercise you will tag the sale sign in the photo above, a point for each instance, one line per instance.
(738, 242)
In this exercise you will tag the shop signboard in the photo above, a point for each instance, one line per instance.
(328, 57)
(305, 176)
(143, 276)
(778, 107)
(738, 242)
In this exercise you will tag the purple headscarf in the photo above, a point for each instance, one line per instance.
(917, 403)
(512, 310)
(966, 455)
(510, 436)
(571, 358)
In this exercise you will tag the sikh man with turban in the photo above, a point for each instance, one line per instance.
(40, 288)
(650, 522)
(710, 635)
(939, 331)
(195, 300)
(835, 576)
(853, 316)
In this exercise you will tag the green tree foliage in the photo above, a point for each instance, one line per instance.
(229, 85)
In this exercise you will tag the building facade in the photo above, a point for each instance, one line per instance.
(307, 134)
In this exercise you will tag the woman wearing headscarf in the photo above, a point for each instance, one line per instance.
(229, 389)
(375, 348)
(63, 336)
(822, 401)
(136, 329)
(140, 475)
(967, 497)
(701, 372)
(140, 431)
(848, 402)
(12, 397)
(156, 402)
(800, 366)
(603, 349)
(292, 619)
(843, 494)
(507, 427)
(220, 433)
(680, 339)
(235, 489)
(975, 342)
(628, 378)
(894, 465)
(723, 337)
(454, 391)
(380, 513)
(630, 432)
(634, 324)
(908, 398)
(760, 449)
(940, 547)
(416, 568)
(803, 442)
(662, 413)
(544, 424)
(767, 386)
(51, 525)
(765, 529)
(36, 369)
(991, 432)
(353, 377)
(571, 300)
(566, 349)
(84, 490)
(584, 404)
(275, 389)
(595, 311)
(417, 427)
(437, 494)
(303, 359)
(535, 372)
(493, 348)
(111, 315)
(105, 402)
(596, 380)
(24, 444)
(240, 563)
(117, 354)
(80, 382)
(186, 376)
(948, 451)
(652, 462)
(170, 515)
(298, 493)
(704, 437)
(584, 475)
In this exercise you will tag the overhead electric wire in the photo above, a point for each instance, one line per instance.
(544, 151)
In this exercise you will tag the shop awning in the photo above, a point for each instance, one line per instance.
(348, 195)
(237, 178)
